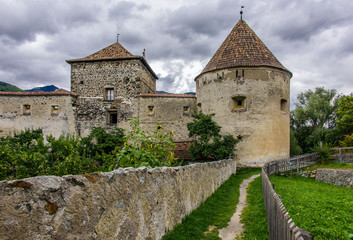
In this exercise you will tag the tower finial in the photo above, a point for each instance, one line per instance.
(117, 37)
(241, 12)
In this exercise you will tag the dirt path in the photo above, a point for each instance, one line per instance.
(235, 228)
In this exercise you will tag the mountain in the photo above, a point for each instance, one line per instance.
(6, 87)
(193, 93)
(162, 92)
(49, 88)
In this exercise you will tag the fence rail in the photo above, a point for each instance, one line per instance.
(280, 224)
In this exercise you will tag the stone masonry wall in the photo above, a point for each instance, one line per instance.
(172, 111)
(337, 177)
(128, 78)
(52, 113)
(124, 204)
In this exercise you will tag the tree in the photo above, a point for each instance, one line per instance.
(294, 147)
(344, 123)
(209, 143)
(314, 117)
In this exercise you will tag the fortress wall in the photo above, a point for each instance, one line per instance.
(52, 113)
(262, 122)
(124, 204)
(171, 111)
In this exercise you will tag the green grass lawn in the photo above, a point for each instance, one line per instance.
(322, 209)
(215, 213)
(330, 165)
(254, 215)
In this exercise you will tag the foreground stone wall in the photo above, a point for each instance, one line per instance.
(337, 177)
(124, 204)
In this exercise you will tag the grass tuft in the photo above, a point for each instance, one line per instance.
(215, 213)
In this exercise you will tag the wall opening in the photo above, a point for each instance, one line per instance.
(109, 94)
(26, 109)
(186, 110)
(112, 117)
(150, 110)
(284, 105)
(54, 110)
(238, 103)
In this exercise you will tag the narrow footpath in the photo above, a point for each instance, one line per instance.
(235, 228)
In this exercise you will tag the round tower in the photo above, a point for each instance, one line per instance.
(248, 90)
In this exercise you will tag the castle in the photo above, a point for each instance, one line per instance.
(243, 84)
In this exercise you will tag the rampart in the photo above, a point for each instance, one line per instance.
(124, 204)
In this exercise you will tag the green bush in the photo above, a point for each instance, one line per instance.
(209, 143)
(143, 149)
(324, 150)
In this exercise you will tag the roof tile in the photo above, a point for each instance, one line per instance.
(242, 48)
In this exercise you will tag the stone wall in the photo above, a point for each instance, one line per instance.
(254, 107)
(172, 111)
(127, 78)
(52, 112)
(124, 204)
(337, 177)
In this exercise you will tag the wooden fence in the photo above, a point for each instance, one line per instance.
(280, 224)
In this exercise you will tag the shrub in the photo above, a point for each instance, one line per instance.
(209, 143)
(143, 149)
(324, 150)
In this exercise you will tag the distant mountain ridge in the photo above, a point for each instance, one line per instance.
(7, 87)
(49, 88)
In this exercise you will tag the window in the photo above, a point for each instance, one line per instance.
(150, 110)
(27, 109)
(238, 103)
(284, 105)
(186, 110)
(54, 110)
(112, 117)
(109, 94)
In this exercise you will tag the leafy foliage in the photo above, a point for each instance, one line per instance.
(294, 147)
(209, 143)
(314, 117)
(344, 123)
(322, 209)
(26, 155)
(324, 151)
(347, 141)
(142, 149)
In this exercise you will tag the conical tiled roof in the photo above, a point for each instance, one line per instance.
(114, 51)
(242, 48)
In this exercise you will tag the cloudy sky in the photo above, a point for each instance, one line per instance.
(312, 38)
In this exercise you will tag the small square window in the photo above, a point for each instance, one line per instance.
(109, 94)
(150, 110)
(54, 110)
(238, 103)
(27, 109)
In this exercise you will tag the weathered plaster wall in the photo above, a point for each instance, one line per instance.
(41, 114)
(124, 204)
(262, 123)
(337, 177)
(172, 112)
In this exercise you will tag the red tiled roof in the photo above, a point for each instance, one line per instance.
(57, 92)
(242, 48)
(167, 95)
(114, 51)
